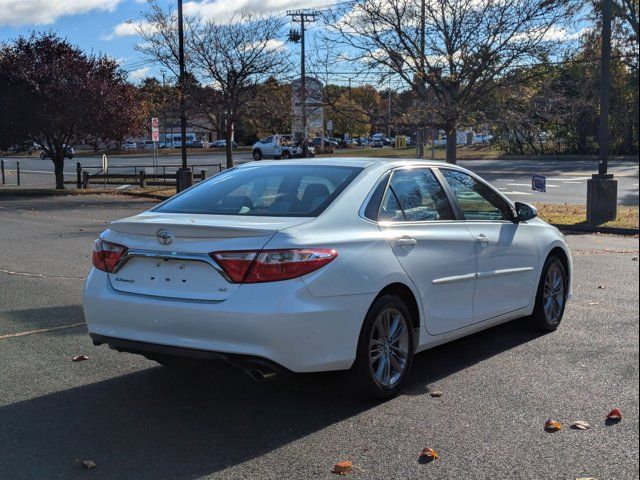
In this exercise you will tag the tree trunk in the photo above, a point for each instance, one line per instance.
(58, 168)
(452, 144)
(229, 145)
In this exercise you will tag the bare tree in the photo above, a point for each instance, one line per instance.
(234, 58)
(451, 53)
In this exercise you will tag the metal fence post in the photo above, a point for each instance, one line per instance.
(203, 175)
(18, 172)
(2, 168)
(78, 175)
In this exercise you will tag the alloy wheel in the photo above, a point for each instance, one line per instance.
(553, 295)
(389, 347)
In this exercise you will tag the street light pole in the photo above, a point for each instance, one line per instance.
(602, 188)
(185, 176)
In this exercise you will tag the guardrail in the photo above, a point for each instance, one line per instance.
(140, 175)
(4, 182)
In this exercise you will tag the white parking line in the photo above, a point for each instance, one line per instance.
(517, 193)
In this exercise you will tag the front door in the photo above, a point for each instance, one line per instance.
(436, 251)
(506, 250)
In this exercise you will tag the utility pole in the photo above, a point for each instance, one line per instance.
(302, 17)
(185, 176)
(164, 108)
(602, 188)
(389, 112)
(421, 133)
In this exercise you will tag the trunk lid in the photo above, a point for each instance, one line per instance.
(168, 253)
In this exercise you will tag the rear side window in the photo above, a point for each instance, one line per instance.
(267, 191)
(476, 200)
(415, 195)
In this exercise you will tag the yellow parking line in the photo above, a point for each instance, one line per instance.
(42, 330)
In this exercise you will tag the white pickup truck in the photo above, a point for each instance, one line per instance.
(276, 146)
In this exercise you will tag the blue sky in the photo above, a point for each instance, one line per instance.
(100, 25)
(90, 24)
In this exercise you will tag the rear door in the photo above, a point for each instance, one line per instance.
(436, 251)
(507, 252)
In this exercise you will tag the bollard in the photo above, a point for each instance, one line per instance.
(18, 172)
(85, 180)
(2, 168)
(203, 175)
(143, 179)
(78, 175)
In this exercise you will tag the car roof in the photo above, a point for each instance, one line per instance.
(362, 162)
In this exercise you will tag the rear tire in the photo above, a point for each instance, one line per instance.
(551, 297)
(285, 155)
(385, 349)
(257, 154)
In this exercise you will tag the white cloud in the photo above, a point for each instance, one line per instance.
(45, 12)
(221, 10)
(124, 29)
(139, 74)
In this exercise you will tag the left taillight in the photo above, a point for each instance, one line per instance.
(107, 254)
(272, 265)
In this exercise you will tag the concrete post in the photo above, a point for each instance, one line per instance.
(602, 196)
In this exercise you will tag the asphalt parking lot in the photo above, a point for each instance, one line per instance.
(137, 420)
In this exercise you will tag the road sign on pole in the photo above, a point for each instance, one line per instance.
(539, 183)
(155, 129)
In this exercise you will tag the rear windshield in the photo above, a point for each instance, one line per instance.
(273, 191)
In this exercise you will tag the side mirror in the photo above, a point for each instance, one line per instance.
(525, 211)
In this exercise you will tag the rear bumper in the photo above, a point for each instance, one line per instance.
(245, 362)
(279, 322)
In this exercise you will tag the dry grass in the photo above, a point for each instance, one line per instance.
(577, 215)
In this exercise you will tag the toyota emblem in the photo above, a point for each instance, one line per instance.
(165, 237)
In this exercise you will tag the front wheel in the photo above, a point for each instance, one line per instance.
(385, 349)
(552, 295)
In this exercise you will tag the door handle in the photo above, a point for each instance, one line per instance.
(483, 240)
(406, 241)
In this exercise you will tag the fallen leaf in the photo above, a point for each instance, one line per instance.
(614, 416)
(428, 455)
(594, 303)
(580, 425)
(80, 358)
(342, 468)
(634, 259)
(435, 393)
(88, 464)
(552, 426)
(601, 287)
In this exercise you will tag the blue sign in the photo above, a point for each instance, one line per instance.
(539, 183)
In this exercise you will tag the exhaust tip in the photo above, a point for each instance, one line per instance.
(260, 375)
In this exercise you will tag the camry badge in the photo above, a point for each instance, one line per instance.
(165, 237)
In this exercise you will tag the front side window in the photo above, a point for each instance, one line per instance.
(275, 190)
(415, 195)
(476, 200)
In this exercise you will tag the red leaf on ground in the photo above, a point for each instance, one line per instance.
(342, 468)
(614, 415)
(428, 455)
(552, 426)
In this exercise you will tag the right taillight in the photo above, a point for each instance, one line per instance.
(107, 254)
(272, 265)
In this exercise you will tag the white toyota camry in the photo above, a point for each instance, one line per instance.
(304, 266)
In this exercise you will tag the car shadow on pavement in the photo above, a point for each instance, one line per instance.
(160, 424)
